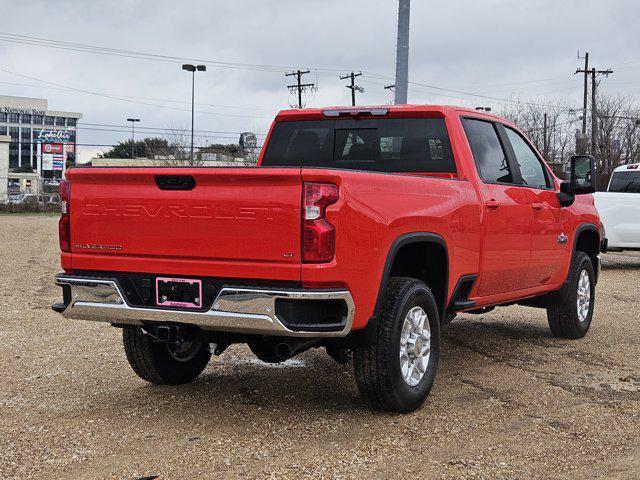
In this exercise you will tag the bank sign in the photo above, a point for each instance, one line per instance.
(51, 136)
(28, 111)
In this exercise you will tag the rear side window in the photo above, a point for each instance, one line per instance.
(625, 182)
(383, 145)
(487, 151)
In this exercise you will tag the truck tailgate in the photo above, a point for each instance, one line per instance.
(235, 222)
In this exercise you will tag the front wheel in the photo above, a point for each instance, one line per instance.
(395, 373)
(571, 316)
(161, 362)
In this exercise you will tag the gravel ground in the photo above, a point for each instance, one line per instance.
(509, 401)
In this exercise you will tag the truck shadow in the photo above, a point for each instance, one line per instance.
(620, 261)
(314, 383)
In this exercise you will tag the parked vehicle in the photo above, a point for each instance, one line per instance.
(32, 198)
(619, 208)
(362, 230)
(22, 198)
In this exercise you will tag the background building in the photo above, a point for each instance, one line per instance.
(42, 140)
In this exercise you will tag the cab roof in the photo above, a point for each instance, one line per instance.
(377, 110)
(631, 166)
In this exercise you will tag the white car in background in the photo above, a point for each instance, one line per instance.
(619, 208)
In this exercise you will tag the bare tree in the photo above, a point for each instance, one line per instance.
(179, 154)
(556, 142)
(618, 135)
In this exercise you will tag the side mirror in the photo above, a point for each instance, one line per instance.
(583, 174)
(583, 180)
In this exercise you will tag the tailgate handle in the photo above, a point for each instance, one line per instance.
(175, 182)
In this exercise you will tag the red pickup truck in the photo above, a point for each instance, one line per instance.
(362, 230)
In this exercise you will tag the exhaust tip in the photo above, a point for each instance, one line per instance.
(284, 351)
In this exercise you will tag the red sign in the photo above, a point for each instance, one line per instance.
(52, 148)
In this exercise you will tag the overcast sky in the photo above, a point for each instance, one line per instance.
(499, 48)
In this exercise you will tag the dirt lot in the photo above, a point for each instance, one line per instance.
(510, 401)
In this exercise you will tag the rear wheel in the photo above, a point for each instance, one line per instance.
(571, 316)
(164, 363)
(397, 371)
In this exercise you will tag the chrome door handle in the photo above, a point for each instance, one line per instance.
(492, 204)
(537, 205)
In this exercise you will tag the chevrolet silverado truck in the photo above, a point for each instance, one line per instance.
(619, 208)
(361, 230)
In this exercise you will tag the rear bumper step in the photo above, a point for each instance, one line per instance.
(235, 309)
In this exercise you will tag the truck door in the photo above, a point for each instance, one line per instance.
(549, 249)
(507, 213)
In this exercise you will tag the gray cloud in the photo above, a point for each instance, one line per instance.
(488, 47)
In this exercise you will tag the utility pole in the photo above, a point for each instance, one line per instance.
(545, 143)
(299, 86)
(594, 110)
(133, 134)
(586, 79)
(402, 52)
(353, 87)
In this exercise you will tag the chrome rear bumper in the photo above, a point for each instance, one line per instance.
(235, 309)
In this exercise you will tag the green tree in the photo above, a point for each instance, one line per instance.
(145, 148)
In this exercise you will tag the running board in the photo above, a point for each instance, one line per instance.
(460, 297)
(463, 305)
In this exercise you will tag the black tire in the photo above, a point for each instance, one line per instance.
(377, 366)
(563, 317)
(154, 361)
(264, 350)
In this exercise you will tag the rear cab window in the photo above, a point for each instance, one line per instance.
(625, 181)
(418, 145)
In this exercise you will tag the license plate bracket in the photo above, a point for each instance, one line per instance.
(178, 292)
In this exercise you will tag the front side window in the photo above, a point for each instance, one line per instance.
(625, 181)
(487, 151)
(531, 168)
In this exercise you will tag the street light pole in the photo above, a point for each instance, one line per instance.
(192, 68)
(133, 134)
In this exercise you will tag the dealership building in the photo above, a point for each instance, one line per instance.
(40, 139)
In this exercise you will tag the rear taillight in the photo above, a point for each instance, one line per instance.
(318, 235)
(64, 225)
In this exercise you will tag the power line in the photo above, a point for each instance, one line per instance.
(45, 42)
(39, 41)
(171, 129)
(124, 99)
(166, 100)
(87, 48)
(352, 86)
(299, 86)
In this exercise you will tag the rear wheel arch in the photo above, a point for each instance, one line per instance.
(420, 255)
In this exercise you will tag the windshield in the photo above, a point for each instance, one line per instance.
(625, 181)
(384, 145)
